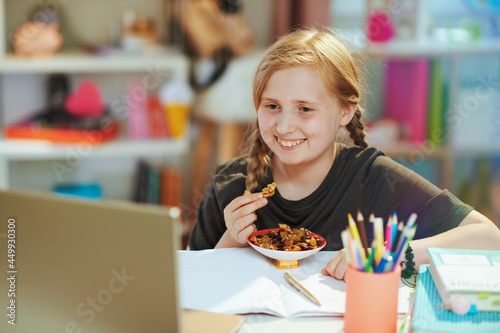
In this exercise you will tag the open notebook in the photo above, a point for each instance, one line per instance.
(92, 266)
(241, 281)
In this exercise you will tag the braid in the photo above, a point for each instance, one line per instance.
(356, 129)
(258, 160)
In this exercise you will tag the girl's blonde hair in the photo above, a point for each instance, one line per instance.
(333, 61)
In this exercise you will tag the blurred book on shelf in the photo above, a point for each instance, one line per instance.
(156, 118)
(437, 117)
(406, 88)
(158, 184)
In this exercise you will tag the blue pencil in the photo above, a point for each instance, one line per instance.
(394, 227)
(386, 257)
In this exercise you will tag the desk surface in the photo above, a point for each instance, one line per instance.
(270, 324)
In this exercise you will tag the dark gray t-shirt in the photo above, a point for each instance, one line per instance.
(359, 179)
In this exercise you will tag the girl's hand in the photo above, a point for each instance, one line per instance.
(337, 266)
(239, 216)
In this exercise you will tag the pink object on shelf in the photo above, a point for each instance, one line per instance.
(85, 101)
(137, 109)
(406, 89)
(379, 27)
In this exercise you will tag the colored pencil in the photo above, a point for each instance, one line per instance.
(355, 233)
(398, 235)
(388, 234)
(371, 257)
(394, 227)
(362, 232)
(344, 235)
(379, 239)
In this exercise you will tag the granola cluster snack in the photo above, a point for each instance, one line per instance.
(287, 239)
(268, 191)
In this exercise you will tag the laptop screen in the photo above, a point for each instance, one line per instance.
(87, 266)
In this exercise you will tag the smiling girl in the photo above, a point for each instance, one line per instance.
(306, 91)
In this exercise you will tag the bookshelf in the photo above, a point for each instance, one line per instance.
(24, 76)
(453, 53)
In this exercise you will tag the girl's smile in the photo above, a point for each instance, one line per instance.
(289, 143)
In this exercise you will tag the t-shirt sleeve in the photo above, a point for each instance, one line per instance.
(210, 225)
(390, 187)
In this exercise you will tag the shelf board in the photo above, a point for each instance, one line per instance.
(81, 62)
(429, 48)
(412, 150)
(43, 150)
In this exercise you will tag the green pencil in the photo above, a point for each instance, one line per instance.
(369, 264)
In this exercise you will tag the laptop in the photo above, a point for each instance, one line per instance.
(75, 265)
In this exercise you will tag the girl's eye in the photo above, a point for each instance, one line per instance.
(305, 109)
(272, 107)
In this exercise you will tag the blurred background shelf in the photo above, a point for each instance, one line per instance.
(428, 48)
(81, 62)
(30, 150)
(409, 150)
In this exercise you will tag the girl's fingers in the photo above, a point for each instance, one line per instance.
(252, 207)
(245, 221)
(239, 215)
(245, 233)
(243, 200)
(240, 224)
(330, 266)
(337, 266)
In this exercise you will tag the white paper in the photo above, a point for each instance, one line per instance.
(240, 280)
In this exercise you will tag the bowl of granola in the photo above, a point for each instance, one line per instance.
(285, 243)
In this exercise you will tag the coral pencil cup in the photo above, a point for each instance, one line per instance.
(371, 301)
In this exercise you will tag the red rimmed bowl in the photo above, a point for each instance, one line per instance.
(281, 254)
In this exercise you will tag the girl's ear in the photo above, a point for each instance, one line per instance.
(347, 114)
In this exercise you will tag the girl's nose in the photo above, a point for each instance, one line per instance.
(286, 122)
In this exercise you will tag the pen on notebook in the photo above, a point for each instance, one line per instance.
(296, 285)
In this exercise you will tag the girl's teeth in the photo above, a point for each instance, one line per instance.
(290, 143)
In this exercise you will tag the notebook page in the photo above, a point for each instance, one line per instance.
(233, 281)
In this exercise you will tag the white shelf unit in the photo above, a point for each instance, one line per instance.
(81, 64)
